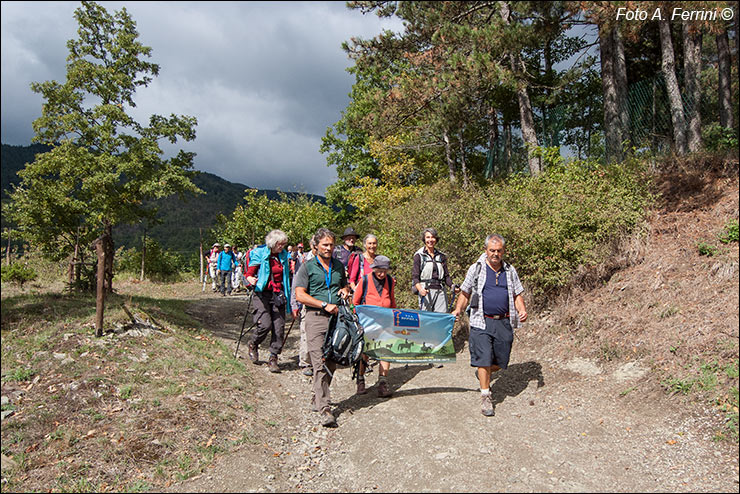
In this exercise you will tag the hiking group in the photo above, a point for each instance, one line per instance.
(322, 284)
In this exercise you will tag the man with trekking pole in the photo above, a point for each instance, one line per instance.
(319, 284)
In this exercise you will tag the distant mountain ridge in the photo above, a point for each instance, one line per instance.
(182, 219)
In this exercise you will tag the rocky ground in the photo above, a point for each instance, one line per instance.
(560, 425)
(580, 409)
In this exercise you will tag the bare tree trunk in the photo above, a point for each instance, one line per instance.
(100, 249)
(620, 76)
(448, 156)
(725, 92)
(692, 70)
(674, 93)
(109, 252)
(529, 134)
(7, 250)
(200, 242)
(464, 167)
(508, 147)
(143, 256)
(493, 137)
(612, 135)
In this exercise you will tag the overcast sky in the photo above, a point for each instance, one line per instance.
(264, 79)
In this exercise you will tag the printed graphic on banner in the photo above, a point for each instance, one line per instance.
(407, 336)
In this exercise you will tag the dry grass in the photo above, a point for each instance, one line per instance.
(125, 412)
(660, 300)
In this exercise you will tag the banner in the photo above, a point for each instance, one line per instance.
(407, 336)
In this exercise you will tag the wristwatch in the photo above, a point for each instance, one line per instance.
(323, 306)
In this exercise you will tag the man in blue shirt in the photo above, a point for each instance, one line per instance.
(497, 307)
(225, 264)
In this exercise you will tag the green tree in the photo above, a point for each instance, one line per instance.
(298, 216)
(103, 164)
(443, 86)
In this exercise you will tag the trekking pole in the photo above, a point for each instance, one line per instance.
(244, 322)
(454, 296)
(291, 327)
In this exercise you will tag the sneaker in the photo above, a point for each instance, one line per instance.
(327, 418)
(486, 405)
(254, 355)
(361, 387)
(383, 391)
(307, 371)
(273, 364)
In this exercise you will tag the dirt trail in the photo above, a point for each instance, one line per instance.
(560, 425)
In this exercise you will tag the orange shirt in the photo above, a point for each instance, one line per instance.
(387, 299)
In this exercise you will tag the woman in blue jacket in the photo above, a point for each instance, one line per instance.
(269, 272)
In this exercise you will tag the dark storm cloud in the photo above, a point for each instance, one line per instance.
(264, 80)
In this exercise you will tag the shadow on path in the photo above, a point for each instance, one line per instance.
(515, 379)
(397, 377)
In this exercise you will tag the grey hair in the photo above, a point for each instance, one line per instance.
(324, 232)
(275, 237)
(497, 238)
(313, 241)
(368, 237)
(429, 230)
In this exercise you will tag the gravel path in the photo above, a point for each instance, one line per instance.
(560, 426)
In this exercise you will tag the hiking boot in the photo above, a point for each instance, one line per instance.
(383, 391)
(254, 355)
(307, 371)
(272, 364)
(486, 405)
(327, 418)
(361, 386)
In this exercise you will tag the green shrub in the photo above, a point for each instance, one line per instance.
(18, 273)
(553, 223)
(159, 264)
(706, 249)
(718, 138)
(729, 233)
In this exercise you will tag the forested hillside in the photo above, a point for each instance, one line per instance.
(182, 218)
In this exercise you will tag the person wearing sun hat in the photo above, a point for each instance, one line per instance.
(212, 257)
(345, 251)
(376, 288)
(226, 263)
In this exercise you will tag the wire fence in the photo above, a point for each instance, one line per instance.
(649, 117)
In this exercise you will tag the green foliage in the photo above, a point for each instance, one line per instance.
(103, 165)
(159, 265)
(729, 233)
(706, 249)
(550, 156)
(298, 216)
(717, 138)
(19, 374)
(554, 223)
(19, 273)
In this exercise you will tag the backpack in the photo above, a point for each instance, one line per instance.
(474, 296)
(364, 287)
(345, 339)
